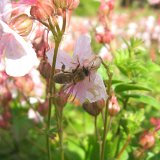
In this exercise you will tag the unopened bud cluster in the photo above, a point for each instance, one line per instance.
(66, 4)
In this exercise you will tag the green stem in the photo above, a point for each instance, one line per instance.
(106, 111)
(124, 147)
(61, 133)
(52, 91)
(95, 127)
(51, 84)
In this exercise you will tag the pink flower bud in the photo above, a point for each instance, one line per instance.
(3, 77)
(99, 38)
(7, 116)
(147, 140)
(43, 108)
(62, 99)
(24, 87)
(75, 4)
(94, 108)
(110, 4)
(113, 106)
(6, 97)
(40, 42)
(156, 122)
(42, 10)
(104, 8)
(44, 68)
(22, 24)
(4, 124)
(107, 37)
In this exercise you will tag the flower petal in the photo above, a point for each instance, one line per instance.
(62, 58)
(91, 89)
(28, 2)
(5, 10)
(82, 49)
(97, 90)
(20, 58)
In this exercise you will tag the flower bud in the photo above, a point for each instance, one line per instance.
(3, 77)
(40, 42)
(4, 124)
(6, 97)
(99, 37)
(155, 122)
(62, 99)
(104, 8)
(113, 107)
(22, 24)
(44, 68)
(107, 37)
(94, 108)
(147, 140)
(43, 108)
(24, 87)
(66, 4)
(138, 153)
(7, 116)
(42, 11)
(110, 4)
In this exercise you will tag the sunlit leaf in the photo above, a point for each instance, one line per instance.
(127, 87)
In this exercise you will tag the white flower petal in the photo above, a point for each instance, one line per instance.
(82, 49)
(91, 89)
(20, 57)
(97, 90)
(62, 58)
(5, 10)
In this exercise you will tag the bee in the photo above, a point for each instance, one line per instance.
(79, 73)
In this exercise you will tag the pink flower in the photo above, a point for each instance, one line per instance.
(147, 140)
(152, 2)
(92, 87)
(155, 122)
(18, 56)
(29, 2)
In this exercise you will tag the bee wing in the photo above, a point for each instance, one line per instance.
(95, 62)
(63, 78)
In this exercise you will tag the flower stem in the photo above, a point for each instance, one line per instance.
(60, 132)
(51, 84)
(52, 91)
(124, 147)
(106, 111)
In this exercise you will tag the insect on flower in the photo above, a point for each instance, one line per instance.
(78, 73)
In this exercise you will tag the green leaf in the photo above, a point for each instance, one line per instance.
(153, 66)
(145, 99)
(127, 87)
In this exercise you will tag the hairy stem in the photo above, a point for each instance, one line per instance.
(50, 93)
(106, 111)
(52, 90)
